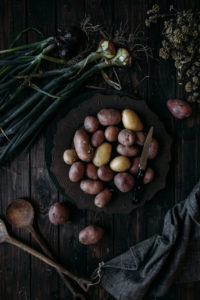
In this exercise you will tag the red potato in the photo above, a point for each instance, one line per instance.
(135, 166)
(97, 138)
(127, 151)
(76, 171)
(105, 173)
(109, 117)
(82, 145)
(91, 171)
(126, 137)
(111, 133)
(153, 149)
(124, 182)
(91, 187)
(59, 213)
(91, 124)
(140, 138)
(179, 109)
(90, 235)
(148, 176)
(103, 198)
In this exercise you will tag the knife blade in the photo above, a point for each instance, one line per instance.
(142, 167)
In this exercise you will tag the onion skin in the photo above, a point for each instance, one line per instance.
(179, 109)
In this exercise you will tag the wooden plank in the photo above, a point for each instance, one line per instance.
(14, 178)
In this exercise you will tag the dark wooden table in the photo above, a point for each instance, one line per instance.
(23, 277)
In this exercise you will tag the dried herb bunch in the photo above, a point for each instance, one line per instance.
(181, 31)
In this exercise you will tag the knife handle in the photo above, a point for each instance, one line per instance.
(138, 186)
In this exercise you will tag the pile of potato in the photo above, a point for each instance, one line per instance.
(108, 149)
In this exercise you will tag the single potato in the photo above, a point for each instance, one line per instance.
(111, 133)
(131, 120)
(59, 213)
(120, 164)
(91, 187)
(179, 109)
(148, 176)
(76, 171)
(91, 171)
(124, 182)
(105, 173)
(70, 156)
(102, 154)
(103, 198)
(97, 138)
(127, 151)
(109, 117)
(135, 166)
(91, 124)
(82, 145)
(90, 235)
(126, 137)
(153, 149)
(140, 138)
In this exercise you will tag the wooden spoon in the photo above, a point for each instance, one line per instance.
(21, 214)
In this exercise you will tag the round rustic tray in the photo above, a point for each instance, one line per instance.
(60, 137)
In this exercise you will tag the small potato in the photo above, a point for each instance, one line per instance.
(102, 155)
(126, 137)
(90, 235)
(91, 187)
(59, 213)
(105, 173)
(179, 109)
(97, 138)
(111, 133)
(76, 171)
(103, 198)
(135, 166)
(140, 138)
(91, 124)
(82, 145)
(91, 171)
(109, 117)
(131, 120)
(124, 182)
(70, 156)
(148, 176)
(120, 164)
(153, 149)
(127, 151)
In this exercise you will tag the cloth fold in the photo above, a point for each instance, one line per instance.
(151, 266)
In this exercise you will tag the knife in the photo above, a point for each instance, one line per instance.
(142, 167)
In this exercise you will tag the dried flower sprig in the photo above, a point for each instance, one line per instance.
(181, 31)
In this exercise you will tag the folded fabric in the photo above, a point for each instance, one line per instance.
(151, 266)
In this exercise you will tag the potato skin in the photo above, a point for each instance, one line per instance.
(109, 117)
(91, 171)
(91, 124)
(70, 156)
(131, 120)
(127, 151)
(153, 149)
(90, 235)
(140, 138)
(76, 171)
(120, 164)
(124, 182)
(103, 198)
(91, 187)
(111, 133)
(97, 138)
(126, 137)
(105, 173)
(179, 109)
(135, 166)
(148, 176)
(102, 154)
(82, 145)
(58, 213)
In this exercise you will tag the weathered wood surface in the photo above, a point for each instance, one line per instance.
(24, 278)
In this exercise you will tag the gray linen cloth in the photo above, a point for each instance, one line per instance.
(151, 266)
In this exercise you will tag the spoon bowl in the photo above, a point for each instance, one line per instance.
(20, 213)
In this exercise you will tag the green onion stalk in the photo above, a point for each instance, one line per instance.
(36, 119)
